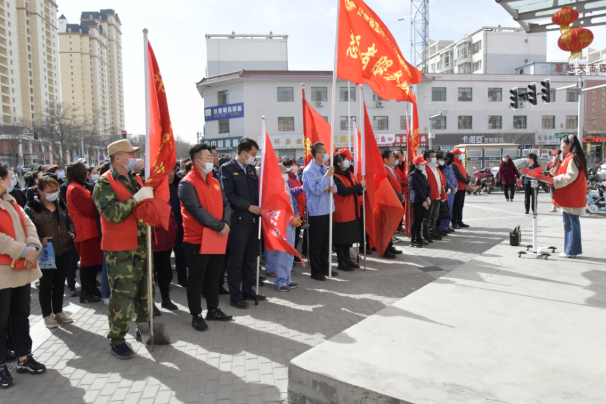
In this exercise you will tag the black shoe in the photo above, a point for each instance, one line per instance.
(444, 233)
(344, 268)
(138, 335)
(436, 237)
(157, 312)
(318, 277)
(463, 224)
(223, 291)
(72, 292)
(416, 243)
(258, 297)
(239, 304)
(9, 356)
(183, 284)
(31, 366)
(450, 230)
(334, 273)
(199, 324)
(167, 304)
(262, 278)
(394, 250)
(351, 263)
(456, 226)
(86, 298)
(389, 255)
(95, 292)
(6, 380)
(429, 239)
(424, 241)
(217, 315)
(297, 260)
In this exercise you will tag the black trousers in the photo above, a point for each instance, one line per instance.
(88, 277)
(318, 244)
(457, 208)
(73, 266)
(52, 286)
(163, 271)
(204, 271)
(430, 216)
(417, 211)
(242, 259)
(180, 260)
(528, 198)
(14, 316)
(510, 191)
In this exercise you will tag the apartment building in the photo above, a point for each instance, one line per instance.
(91, 68)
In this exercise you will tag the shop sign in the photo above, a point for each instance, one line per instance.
(228, 111)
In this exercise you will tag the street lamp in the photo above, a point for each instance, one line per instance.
(442, 112)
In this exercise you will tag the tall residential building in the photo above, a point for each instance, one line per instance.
(91, 68)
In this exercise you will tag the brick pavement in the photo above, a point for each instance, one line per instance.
(244, 361)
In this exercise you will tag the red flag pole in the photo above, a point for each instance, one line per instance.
(363, 168)
(305, 163)
(263, 133)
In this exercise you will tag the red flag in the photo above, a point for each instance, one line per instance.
(315, 129)
(276, 209)
(383, 219)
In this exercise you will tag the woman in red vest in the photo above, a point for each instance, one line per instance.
(296, 189)
(18, 241)
(346, 217)
(82, 210)
(570, 183)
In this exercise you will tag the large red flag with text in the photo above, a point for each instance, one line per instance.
(315, 129)
(276, 207)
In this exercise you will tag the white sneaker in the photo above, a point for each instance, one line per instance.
(106, 301)
(564, 255)
(63, 318)
(50, 322)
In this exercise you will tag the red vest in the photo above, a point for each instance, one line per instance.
(401, 171)
(294, 183)
(575, 194)
(345, 206)
(461, 168)
(86, 227)
(394, 181)
(120, 236)
(436, 192)
(6, 227)
(211, 199)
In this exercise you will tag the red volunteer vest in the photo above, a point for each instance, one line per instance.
(86, 227)
(345, 206)
(119, 236)
(402, 174)
(294, 183)
(6, 227)
(461, 168)
(575, 194)
(433, 184)
(211, 199)
(394, 181)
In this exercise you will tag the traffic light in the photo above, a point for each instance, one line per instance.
(546, 91)
(36, 136)
(515, 104)
(532, 93)
(124, 134)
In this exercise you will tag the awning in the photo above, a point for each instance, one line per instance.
(535, 15)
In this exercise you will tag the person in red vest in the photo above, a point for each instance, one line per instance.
(82, 210)
(297, 191)
(116, 195)
(390, 160)
(570, 183)
(555, 155)
(402, 170)
(463, 181)
(203, 205)
(347, 222)
(437, 182)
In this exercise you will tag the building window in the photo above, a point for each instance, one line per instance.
(477, 46)
(224, 126)
(495, 94)
(223, 97)
(325, 118)
(286, 124)
(344, 120)
(462, 50)
(439, 122)
(345, 97)
(438, 93)
(519, 122)
(572, 122)
(495, 122)
(465, 122)
(444, 60)
(380, 122)
(286, 94)
(465, 94)
(477, 66)
(402, 123)
(572, 95)
(375, 97)
(553, 95)
(464, 68)
(318, 94)
(548, 121)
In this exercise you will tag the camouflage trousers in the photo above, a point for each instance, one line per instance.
(127, 273)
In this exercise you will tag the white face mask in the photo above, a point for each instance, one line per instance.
(86, 165)
(346, 164)
(207, 167)
(441, 162)
(61, 175)
(433, 160)
(52, 197)
(94, 177)
(422, 167)
(460, 157)
(504, 160)
(250, 160)
(396, 162)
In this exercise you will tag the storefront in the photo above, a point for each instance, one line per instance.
(594, 148)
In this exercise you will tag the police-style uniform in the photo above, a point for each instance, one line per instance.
(240, 185)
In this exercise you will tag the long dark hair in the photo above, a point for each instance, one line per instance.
(577, 150)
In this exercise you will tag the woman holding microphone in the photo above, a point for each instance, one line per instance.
(570, 183)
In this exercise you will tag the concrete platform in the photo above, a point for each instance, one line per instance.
(499, 329)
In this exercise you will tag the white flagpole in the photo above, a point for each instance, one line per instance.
(261, 203)
(332, 136)
(306, 205)
(363, 166)
(348, 116)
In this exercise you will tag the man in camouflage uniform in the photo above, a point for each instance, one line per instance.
(116, 196)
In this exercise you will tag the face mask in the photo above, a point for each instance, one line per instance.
(250, 160)
(12, 186)
(132, 164)
(504, 160)
(52, 197)
(86, 165)
(441, 162)
(61, 175)
(285, 176)
(396, 162)
(460, 156)
(94, 177)
(422, 167)
(433, 160)
(346, 164)
(325, 158)
(208, 167)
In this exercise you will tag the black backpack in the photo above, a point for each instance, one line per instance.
(515, 237)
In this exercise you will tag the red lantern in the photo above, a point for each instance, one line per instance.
(565, 17)
(575, 40)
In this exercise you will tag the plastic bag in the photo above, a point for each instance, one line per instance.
(46, 258)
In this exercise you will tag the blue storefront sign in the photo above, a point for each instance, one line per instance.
(224, 143)
(228, 111)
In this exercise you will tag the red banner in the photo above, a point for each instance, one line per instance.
(315, 129)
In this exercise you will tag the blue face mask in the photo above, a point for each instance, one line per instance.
(325, 158)
(132, 164)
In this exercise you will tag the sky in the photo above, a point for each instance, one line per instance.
(177, 30)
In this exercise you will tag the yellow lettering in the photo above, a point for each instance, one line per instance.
(368, 54)
(354, 46)
(381, 66)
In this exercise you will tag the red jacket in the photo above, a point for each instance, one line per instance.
(165, 240)
(508, 172)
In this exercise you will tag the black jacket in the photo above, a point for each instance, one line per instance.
(458, 174)
(419, 187)
(241, 188)
(190, 201)
(19, 197)
(175, 202)
(46, 224)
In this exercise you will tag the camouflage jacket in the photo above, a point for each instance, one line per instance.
(111, 209)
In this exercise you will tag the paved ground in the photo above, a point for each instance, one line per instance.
(245, 361)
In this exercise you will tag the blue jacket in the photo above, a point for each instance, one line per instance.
(241, 188)
(451, 178)
(315, 183)
(525, 180)
(419, 187)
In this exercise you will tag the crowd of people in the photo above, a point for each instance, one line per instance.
(87, 216)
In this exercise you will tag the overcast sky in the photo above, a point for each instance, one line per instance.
(177, 29)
